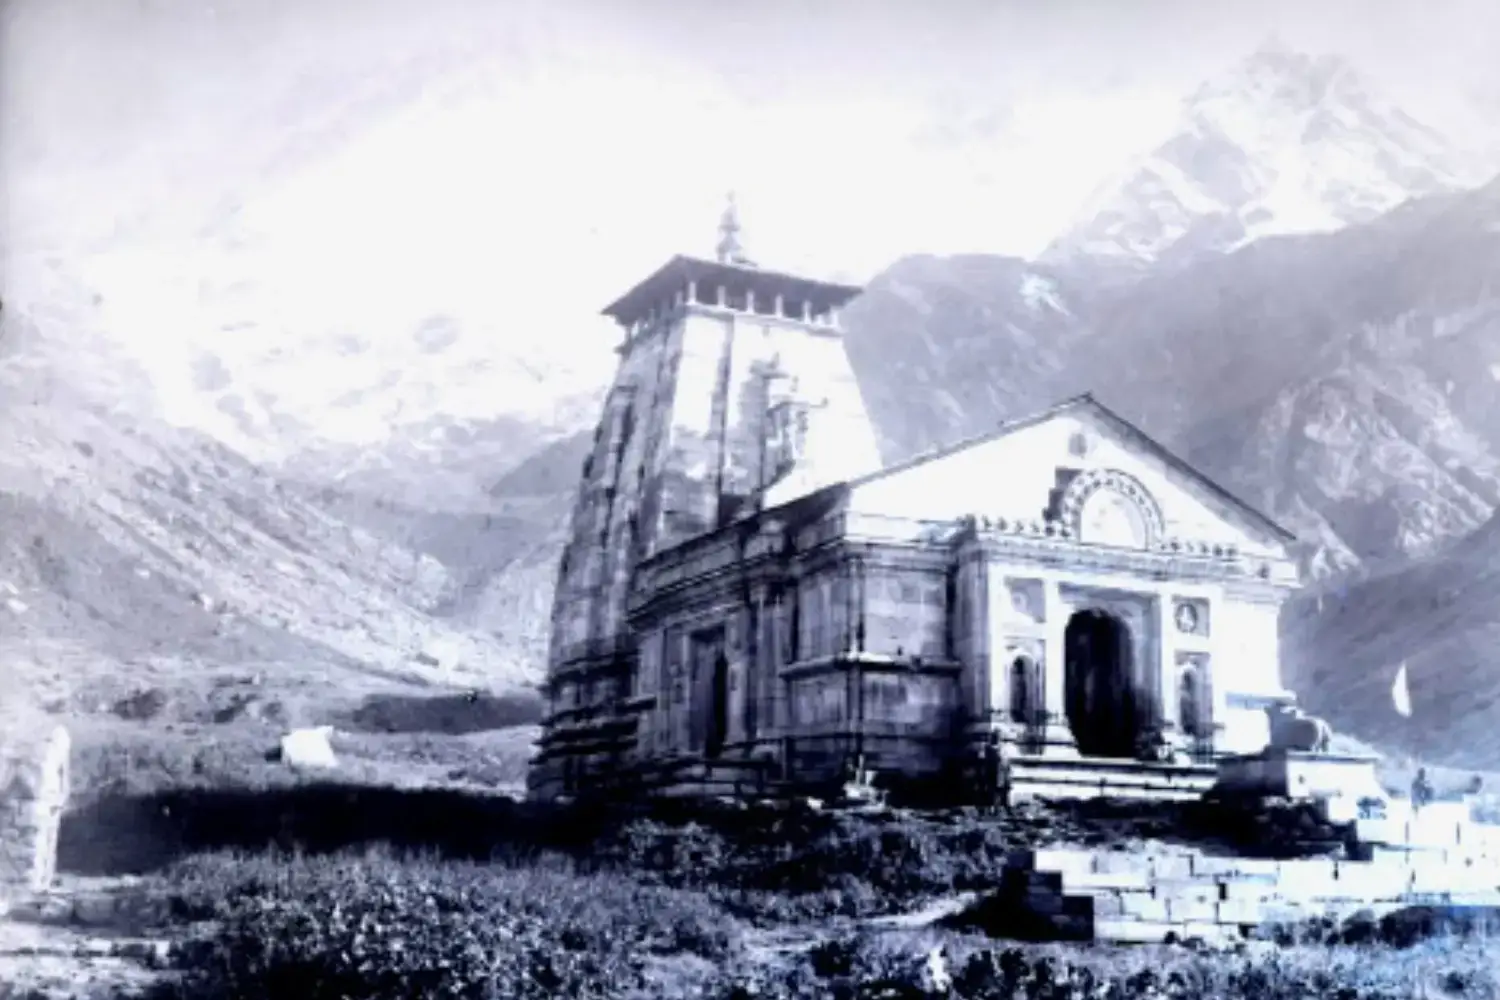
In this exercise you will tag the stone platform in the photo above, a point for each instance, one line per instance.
(1181, 894)
(1296, 774)
(1055, 778)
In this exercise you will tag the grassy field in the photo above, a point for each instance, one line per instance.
(378, 925)
(412, 871)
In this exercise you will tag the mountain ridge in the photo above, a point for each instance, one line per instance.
(1283, 143)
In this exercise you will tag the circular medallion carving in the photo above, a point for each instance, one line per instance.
(1187, 618)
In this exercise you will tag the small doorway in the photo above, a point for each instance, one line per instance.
(1101, 699)
(718, 708)
(708, 718)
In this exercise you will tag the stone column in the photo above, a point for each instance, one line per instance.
(34, 787)
(981, 615)
(1216, 699)
(1058, 736)
(1165, 625)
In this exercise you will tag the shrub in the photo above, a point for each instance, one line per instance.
(378, 926)
(862, 967)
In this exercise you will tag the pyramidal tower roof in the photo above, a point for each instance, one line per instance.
(731, 266)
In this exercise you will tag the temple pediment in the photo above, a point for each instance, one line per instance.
(1080, 472)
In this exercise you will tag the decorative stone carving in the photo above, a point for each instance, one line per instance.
(1293, 730)
(1110, 507)
(786, 437)
(1194, 697)
(1022, 679)
(1190, 617)
(1025, 599)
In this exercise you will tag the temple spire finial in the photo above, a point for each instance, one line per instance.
(730, 250)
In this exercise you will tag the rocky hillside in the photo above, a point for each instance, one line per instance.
(1343, 381)
(1286, 143)
(1441, 617)
(139, 556)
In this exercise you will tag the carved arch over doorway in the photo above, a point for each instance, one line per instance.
(1111, 507)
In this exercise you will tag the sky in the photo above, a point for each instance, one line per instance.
(325, 165)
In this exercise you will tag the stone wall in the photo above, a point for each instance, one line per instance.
(34, 786)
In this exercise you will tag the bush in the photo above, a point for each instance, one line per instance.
(813, 865)
(870, 967)
(377, 926)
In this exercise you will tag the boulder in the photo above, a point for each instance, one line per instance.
(309, 749)
(34, 786)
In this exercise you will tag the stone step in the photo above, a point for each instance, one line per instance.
(1034, 777)
(1132, 930)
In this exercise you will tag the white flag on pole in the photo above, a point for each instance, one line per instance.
(1400, 693)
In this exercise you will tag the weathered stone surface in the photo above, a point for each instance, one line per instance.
(34, 786)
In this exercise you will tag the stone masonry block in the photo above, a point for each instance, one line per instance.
(1207, 930)
(1133, 930)
(1043, 903)
(1094, 881)
(1205, 865)
(1371, 882)
(1256, 891)
(1063, 860)
(1118, 862)
(1283, 911)
(1110, 904)
(1172, 866)
(1023, 880)
(1140, 906)
(34, 786)
(1195, 909)
(1239, 911)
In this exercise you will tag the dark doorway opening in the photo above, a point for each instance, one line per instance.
(709, 719)
(1101, 699)
(718, 708)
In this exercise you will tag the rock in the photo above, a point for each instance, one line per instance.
(34, 786)
(309, 749)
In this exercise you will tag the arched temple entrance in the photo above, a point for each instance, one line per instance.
(1101, 699)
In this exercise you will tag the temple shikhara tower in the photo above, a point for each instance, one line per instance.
(749, 601)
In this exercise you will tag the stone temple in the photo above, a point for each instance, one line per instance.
(749, 599)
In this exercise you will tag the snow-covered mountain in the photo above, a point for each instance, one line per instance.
(1283, 143)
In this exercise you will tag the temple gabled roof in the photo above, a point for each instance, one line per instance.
(674, 275)
(1126, 429)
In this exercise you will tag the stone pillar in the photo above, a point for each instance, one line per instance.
(1166, 665)
(34, 786)
(981, 648)
(1216, 698)
(1058, 735)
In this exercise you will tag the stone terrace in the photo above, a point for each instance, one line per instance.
(1181, 893)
